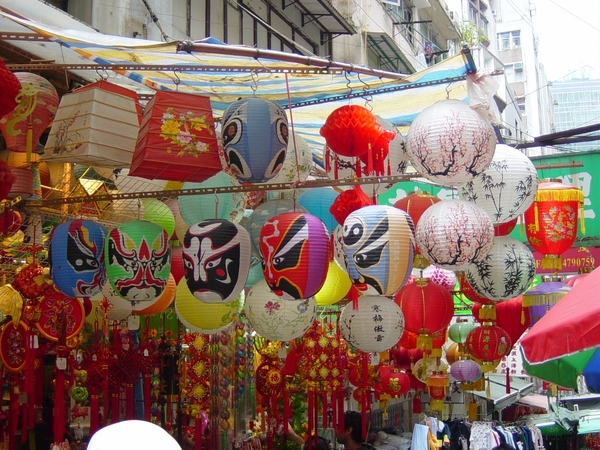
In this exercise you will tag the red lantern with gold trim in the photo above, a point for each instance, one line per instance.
(393, 381)
(437, 383)
(488, 343)
(551, 221)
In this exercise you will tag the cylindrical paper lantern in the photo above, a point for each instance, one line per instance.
(76, 255)
(275, 318)
(375, 326)
(449, 143)
(379, 246)
(216, 256)
(505, 272)
(255, 139)
(506, 188)
(138, 260)
(488, 343)
(295, 251)
(454, 234)
(317, 202)
(336, 286)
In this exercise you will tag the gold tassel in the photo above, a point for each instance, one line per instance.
(552, 262)
(436, 404)
(488, 390)
(472, 411)
(487, 312)
(581, 218)
(419, 261)
(425, 342)
(522, 316)
(11, 303)
(535, 214)
(559, 195)
(436, 352)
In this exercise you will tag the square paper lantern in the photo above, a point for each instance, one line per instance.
(97, 125)
(177, 139)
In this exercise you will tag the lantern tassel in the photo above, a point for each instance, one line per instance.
(389, 168)
(417, 404)
(472, 411)
(535, 214)
(522, 316)
(336, 167)
(487, 313)
(436, 404)
(507, 378)
(370, 168)
(425, 342)
(488, 390)
(357, 168)
(552, 262)
(419, 261)
(327, 160)
(353, 295)
(581, 218)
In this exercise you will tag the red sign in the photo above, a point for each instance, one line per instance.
(572, 260)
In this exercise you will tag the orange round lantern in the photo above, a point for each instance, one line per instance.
(488, 343)
(551, 221)
(454, 352)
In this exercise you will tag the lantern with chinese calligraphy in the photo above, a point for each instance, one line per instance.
(551, 222)
(379, 245)
(295, 251)
(255, 139)
(138, 260)
(506, 188)
(511, 316)
(76, 255)
(437, 383)
(216, 255)
(177, 140)
(488, 343)
(393, 381)
(505, 272)
(449, 143)
(454, 234)
(375, 326)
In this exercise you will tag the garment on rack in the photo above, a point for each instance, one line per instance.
(482, 436)
(420, 437)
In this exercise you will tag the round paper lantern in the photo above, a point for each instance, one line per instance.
(37, 105)
(379, 245)
(275, 318)
(465, 370)
(459, 330)
(454, 234)
(9, 89)
(506, 188)
(255, 139)
(295, 251)
(200, 316)
(488, 343)
(511, 316)
(454, 352)
(449, 143)
(443, 277)
(469, 293)
(296, 166)
(6, 180)
(427, 308)
(138, 260)
(216, 260)
(181, 226)
(352, 130)
(255, 274)
(196, 208)
(10, 223)
(505, 272)
(161, 303)
(133, 433)
(76, 255)
(336, 286)
(394, 381)
(159, 213)
(505, 228)
(551, 222)
(375, 326)
(317, 202)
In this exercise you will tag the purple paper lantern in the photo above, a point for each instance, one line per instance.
(465, 370)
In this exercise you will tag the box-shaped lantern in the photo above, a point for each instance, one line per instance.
(177, 139)
(96, 125)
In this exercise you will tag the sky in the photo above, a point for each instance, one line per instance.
(566, 41)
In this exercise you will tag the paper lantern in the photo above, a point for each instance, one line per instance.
(511, 316)
(506, 188)
(177, 140)
(161, 303)
(9, 89)
(551, 222)
(255, 273)
(317, 202)
(394, 381)
(437, 384)
(275, 318)
(199, 316)
(295, 251)
(37, 103)
(454, 352)
(443, 277)
(469, 293)
(459, 330)
(10, 223)
(379, 245)
(95, 125)
(427, 308)
(255, 139)
(181, 227)
(347, 202)
(465, 370)
(450, 144)
(138, 260)
(505, 228)
(133, 433)
(454, 234)
(159, 213)
(389, 157)
(488, 343)
(505, 272)
(6, 180)
(23, 183)
(76, 255)
(375, 326)
(229, 205)
(216, 260)
(177, 263)
(296, 166)
(548, 292)
(336, 286)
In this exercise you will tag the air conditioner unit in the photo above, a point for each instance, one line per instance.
(518, 66)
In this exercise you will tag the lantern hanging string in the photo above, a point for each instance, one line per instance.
(290, 109)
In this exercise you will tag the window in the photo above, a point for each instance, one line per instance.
(509, 40)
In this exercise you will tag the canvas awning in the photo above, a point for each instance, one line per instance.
(535, 400)
(519, 388)
(389, 51)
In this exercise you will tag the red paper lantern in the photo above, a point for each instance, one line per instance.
(504, 229)
(551, 221)
(6, 179)
(177, 140)
(511, 316)
(488, 343)
(9, 89)
(437, 383)
(393, 381)
(10, 222)
(467, 290)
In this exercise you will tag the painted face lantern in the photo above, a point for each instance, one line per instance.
(138, 260)
(216, 256)
(255, 139)
(294, 247)
(77, 258)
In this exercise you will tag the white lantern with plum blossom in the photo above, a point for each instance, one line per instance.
(443, 277)
(275, 318)
(505, 272)
(449, 143)
(454, 234)
(506, 188)
(375, 326)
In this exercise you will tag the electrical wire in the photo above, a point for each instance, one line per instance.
(575, 15)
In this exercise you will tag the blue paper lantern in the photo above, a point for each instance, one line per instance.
(255, 139)
(317, 202)
(76, 254)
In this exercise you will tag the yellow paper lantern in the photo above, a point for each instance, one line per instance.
(337, 284)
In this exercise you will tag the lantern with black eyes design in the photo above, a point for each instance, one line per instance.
(294, 247)
(76, 254)
(379, 247)
(138, 260)
(216, 258)
(255, 139)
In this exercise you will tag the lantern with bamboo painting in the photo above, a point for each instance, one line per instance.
(488, 343)
(551, 222)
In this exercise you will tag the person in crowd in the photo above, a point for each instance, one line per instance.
(318, 443)
(351, 438)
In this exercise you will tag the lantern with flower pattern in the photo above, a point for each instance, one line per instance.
(488, 343)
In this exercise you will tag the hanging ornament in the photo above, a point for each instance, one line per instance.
(458, 331)
(437, 384)
(488, 343)
(511, 316)
(9, 89)
(465, 370)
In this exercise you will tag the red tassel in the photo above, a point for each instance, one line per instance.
(507, 377)
(325, 406)
(417, 404)
(369, 168)
(327, 160)
(357, 168)
(29, 382)
(114, 408)
(336, 167)
(389, 168)
(59, 406)
(129, 402)
(95, 414)
(13, 417)
(353, 295)
(287, 410)
(147, 397)
(334, 413)
(198, 433)
(24, 419)
(269, 441)
(311, 421)
(340, 411)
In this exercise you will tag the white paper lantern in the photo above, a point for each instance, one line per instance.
(449, 143)
(453, 234)
(375, 326)
(505, 272)
(275, 318)
(506, 188)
